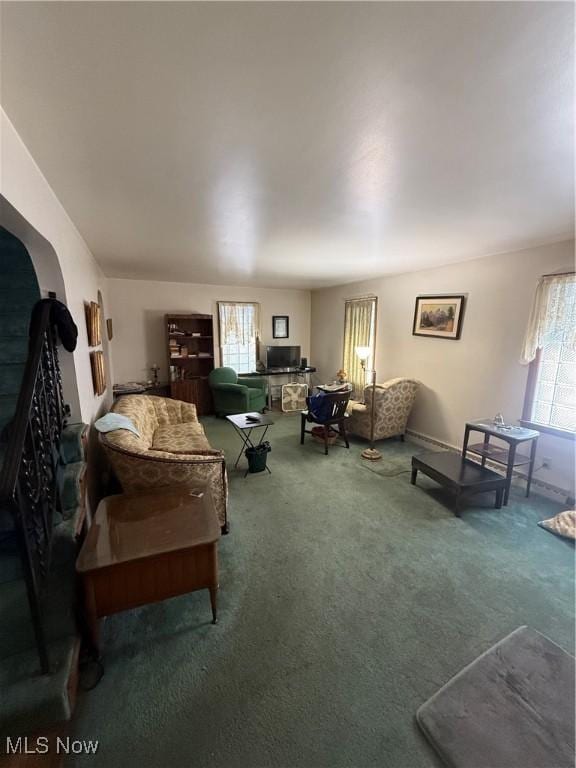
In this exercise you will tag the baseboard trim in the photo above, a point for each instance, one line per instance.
(541, 485)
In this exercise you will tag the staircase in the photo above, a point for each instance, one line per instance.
(42, 465)
(30, 698)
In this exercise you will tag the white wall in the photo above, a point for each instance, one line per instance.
(27, 191)
(137, 308)
(475, 377)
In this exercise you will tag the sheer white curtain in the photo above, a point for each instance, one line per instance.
(359, 331)
(553, 315)
(239, 324)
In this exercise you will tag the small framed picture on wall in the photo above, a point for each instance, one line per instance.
(439, 316)
(280, 327)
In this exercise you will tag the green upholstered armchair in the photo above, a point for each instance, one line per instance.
(230, 396)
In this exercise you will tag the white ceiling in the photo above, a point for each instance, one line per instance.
(297, 144)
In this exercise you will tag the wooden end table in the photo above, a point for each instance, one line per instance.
(148, 546)
(462, 476)
(508, 457)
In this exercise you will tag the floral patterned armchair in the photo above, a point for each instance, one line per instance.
(393, 403)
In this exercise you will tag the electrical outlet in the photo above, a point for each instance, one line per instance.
(546, 463)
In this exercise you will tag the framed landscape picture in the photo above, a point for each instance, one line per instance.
(439, 316)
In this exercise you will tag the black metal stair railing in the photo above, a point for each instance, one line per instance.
(28, 483)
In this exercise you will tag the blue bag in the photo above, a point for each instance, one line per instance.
(320, 406)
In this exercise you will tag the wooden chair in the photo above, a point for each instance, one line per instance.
(339, 403)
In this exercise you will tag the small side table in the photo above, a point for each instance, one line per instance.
(148, 546)
(508, 457)
(462, 476)
(244, 427)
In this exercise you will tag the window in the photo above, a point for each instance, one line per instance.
(359, 331)
(550, 348)
(239, 330)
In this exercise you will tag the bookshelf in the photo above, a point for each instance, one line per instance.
(190, 343)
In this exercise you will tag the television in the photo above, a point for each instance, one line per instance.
(282, 357)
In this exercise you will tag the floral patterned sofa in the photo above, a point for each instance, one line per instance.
(392, 406)
(172, 449)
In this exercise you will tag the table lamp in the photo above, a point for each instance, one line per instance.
(371, 454)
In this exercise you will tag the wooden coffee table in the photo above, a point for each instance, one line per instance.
(146, 547)
(464, 477)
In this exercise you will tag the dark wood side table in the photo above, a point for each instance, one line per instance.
(462, 476)
(508, 457)
(146, 547)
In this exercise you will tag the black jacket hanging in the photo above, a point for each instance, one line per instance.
(60, 317)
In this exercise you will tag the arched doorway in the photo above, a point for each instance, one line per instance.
(19, 291)
(48, 274)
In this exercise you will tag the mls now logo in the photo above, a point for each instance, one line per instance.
(24, 745)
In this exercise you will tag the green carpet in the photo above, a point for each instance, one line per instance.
(347, 599)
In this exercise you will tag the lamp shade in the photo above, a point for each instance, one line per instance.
(363, 352)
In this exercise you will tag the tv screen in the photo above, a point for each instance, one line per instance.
(282, 357)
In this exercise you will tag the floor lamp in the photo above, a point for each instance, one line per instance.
(371, 454)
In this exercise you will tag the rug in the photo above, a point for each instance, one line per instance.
(511, 708)
(313, 664)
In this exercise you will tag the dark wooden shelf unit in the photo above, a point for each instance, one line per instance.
(180, 336)
(191, 358)
(497, 453)
(189, 371)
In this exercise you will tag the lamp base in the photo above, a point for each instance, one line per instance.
(371, 454)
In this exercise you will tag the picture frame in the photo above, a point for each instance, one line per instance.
(92, 310)
(439, 317)
(98, 372)
(280, 326)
